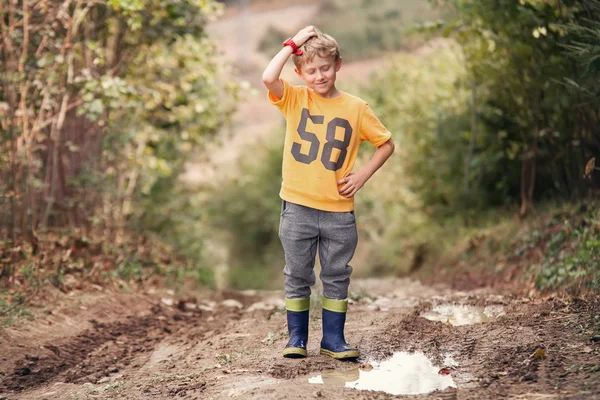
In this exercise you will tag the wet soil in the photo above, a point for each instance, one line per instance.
(216, 346)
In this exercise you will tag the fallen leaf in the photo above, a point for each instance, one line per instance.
(366, 367)
(444, 371)
(538, 353)
(67, 255)
(589, 167)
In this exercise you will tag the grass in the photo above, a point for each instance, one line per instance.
(12, 308)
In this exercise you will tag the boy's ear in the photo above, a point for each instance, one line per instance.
(298, 72)
(338, 65)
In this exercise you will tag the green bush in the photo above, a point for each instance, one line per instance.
(572, 251)
(243, 217)
(420, 100)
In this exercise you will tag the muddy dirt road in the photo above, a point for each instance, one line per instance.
(159, 346)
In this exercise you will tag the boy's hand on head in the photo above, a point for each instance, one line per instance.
(352, 184)
(304, 34)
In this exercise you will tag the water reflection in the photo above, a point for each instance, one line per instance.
(403, 373)
(456, 314)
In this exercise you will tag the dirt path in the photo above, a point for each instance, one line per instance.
(124, 346)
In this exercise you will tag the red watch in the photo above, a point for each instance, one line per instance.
(290, 42)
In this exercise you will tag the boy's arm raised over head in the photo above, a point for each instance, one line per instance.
(271, 75)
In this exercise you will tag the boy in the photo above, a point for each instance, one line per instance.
(324, 129)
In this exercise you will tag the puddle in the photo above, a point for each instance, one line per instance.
(403, 373)
(455, 314)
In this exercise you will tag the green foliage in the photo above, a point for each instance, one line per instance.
(118, 98)
(572, 252)
(244, 212)
(516, 56)
(472, 122)
(585, 49)
(12, 308)
(364, 28)
(420, 100)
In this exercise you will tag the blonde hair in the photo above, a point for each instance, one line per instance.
(322, 45)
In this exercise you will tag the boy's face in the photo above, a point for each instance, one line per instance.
(320, 73)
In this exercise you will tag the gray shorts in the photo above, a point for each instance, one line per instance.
(302, 230)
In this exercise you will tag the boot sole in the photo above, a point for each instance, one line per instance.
(341, 355)
(294, 352)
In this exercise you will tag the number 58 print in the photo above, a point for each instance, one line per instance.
(332, 142)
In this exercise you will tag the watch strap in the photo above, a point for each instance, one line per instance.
(290, 42)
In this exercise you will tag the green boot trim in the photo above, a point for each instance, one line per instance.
(297, 305)
(294, 352)
(341, 355)
(339, 306)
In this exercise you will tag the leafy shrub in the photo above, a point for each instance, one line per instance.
(242, 214)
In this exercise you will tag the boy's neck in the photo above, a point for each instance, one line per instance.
(332, 94)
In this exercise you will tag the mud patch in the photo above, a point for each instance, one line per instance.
(403, 373)
(94, 354)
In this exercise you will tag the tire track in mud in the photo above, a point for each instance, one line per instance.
(104, 349)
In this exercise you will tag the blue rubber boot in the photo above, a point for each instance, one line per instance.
(297, 321)
(333, 343)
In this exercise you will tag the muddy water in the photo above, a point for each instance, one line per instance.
(403, 373)
(457, 315)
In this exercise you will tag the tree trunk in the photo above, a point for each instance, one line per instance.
(528, 175)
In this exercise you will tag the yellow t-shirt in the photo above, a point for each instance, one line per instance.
(321, 144)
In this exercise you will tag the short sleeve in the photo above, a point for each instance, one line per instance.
(287, 100)
(372, 129)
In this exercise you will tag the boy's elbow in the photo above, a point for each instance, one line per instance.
(267, 79)
(391, 145)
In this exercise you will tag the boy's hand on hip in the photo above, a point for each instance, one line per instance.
(304, 34)
(352, 184)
